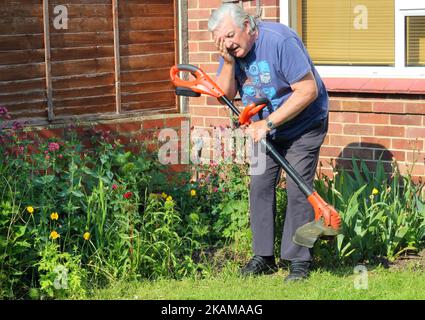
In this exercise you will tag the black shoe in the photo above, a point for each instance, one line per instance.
(259, 265)
(298, 270)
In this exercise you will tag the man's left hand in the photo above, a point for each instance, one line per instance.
(258, 130)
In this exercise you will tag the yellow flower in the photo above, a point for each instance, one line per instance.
(375, 191)
(54, 216)
(169, 198)
(164, 195)
(86, 236)
(54, 235)
(30, 209)
(193, 192)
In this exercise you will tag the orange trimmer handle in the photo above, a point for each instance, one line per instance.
(252, 109)
(248, 112)
(201, 84)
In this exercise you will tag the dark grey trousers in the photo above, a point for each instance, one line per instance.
(302, 153)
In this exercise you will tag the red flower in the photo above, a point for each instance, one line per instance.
(128, 195)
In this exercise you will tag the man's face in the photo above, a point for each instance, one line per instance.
(237, 41)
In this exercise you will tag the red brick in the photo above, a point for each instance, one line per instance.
(129, 126)
(197, 121)
(224, 112)
(270, 2)
(174, 122)
(334, 104)
(198, 14)
(388, 107)
(203, 25)
(193, 25)
(412, 120)
(372, 142)
(373, 118)
(209, 68)
(407, 144)
(338, 140)
(354, 129)
(106, 127)
(205, 111)
(207, 46)
(209, 4)
(415, 108)
(198, 57)
(327, 151)
(153, 124)
(413, 133)
(201, 101)
(199, 35)
(193, 4)
(194, 46)
(335, 128)
(269, 12)
(344, 117)
(211, 122)
(389, 131)
(356, 105)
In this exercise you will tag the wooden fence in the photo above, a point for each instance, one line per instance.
(110, 57)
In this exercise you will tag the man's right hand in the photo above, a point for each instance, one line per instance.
(222, 49)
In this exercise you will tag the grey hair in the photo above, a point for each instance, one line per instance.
(237, 13)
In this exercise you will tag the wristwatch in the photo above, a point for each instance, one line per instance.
(270, 124)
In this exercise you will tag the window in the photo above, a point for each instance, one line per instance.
(361, 38)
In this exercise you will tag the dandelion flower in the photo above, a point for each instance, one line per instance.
(169, 198)
(54, 235)
(375, 191)
(193, 192)
(164, 195)
(54, 216)
(30, 209)
(86, 236)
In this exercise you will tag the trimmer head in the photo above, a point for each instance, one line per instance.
(327, 222)
(308, 234)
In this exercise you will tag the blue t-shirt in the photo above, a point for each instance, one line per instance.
(278, 59)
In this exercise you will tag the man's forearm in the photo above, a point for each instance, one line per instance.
(226, 80)
(305, 92)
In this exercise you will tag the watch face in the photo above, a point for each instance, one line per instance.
(270, 124)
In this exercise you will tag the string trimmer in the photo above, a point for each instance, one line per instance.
(327, 221)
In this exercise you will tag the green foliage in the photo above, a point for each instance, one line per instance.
(382, 215)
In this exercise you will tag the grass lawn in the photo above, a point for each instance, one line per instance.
(338, 284)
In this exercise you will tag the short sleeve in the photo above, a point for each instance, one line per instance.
(294, 63)
(220, 65)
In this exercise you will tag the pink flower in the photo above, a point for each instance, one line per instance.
(60, 156)
(114, 186)
(128, 195)
(215, 189)
(53, 146)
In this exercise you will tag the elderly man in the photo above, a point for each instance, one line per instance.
(268, 60)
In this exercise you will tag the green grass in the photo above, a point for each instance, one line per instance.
(383, 284)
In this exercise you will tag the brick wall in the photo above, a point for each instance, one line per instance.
(369, 126)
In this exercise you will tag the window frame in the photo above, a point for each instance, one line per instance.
(403, 8)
